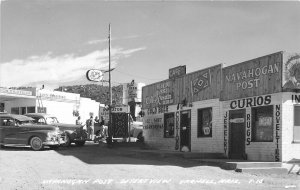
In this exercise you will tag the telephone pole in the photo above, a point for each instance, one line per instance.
(110, 131)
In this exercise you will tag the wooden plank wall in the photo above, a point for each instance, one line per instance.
(266, 77)
(182, 87)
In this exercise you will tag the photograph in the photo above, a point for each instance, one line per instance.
(149, 94)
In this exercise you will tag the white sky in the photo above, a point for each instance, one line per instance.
(56, 42)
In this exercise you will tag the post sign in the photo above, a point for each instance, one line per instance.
(259, 76)
(177, 72)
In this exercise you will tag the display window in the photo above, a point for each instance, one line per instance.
(296, 130)
(262, 124)
(169, 125)
(205, 122)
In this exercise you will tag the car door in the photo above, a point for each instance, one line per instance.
(9, 132)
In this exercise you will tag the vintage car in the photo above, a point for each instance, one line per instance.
(19, 130)
(74, 133)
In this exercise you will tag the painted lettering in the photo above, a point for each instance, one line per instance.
(225, 131)
(251, 102)
(248, 126)
(277, 132)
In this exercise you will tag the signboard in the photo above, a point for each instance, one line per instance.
(94, 75)
(177, 72)
(291, 72)
(132, 90)
(158, 94)
(252, 78)
(104, 111)
(16, 92)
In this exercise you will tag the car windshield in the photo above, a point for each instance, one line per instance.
(51, 120)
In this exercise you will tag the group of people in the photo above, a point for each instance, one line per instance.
(90, 126)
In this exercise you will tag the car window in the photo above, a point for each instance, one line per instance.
(40, 121)
(51, 120)
(7, 122)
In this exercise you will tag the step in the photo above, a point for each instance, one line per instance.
(190, 155)
(263, 170)
(258, 164)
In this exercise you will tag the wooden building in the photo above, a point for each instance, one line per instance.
(246, 111)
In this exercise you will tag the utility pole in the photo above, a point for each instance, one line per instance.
(109, 139)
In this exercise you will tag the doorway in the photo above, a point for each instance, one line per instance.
(185, 130)
(237, 125)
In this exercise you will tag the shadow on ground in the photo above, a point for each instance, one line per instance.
(94, 153)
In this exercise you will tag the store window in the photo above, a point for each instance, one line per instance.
(169, 125)
(296, 130)
(15, 110)
(30, 109)
(262, 124)
(205, 122)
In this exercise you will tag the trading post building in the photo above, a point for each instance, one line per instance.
(250, 110)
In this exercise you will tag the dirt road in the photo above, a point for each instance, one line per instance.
(96, 167)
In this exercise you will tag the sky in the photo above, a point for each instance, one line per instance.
(55, 42)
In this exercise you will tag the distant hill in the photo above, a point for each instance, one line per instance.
(98, 93)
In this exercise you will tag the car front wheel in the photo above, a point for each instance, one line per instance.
(36, 143)
(67, 140)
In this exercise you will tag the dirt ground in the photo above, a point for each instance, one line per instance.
(95, 166)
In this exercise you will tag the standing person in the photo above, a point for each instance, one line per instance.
(90, 128)
(78, 121)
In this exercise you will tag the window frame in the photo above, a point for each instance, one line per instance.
(294, 125)
(200, 134)
(165, 127)
(254, 127)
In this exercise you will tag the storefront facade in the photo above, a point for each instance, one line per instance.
(254, 116)
(65, 106)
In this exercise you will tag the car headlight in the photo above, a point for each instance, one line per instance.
(52, 133)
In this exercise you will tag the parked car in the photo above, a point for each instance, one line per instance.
(19, 130)
(136, 130)
(74, 133)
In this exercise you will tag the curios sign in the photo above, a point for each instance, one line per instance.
(94, 75)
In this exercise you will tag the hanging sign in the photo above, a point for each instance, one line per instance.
(94, 75)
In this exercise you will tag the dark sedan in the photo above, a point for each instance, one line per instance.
(19, 130)
(74, 133)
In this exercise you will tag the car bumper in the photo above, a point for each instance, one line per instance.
(57, 141)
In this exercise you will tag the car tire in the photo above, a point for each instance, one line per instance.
(67, 140)
(36, 143)
(80, 143)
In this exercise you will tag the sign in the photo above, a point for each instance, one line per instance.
(158, 94)
(94, 75)
(16, 92)
(177, 72)
(104, 111)
(201, 82)
(291, 72)
(251, 102)
(237, 120)
(132, 90)
(154, 122)
(252, 78)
